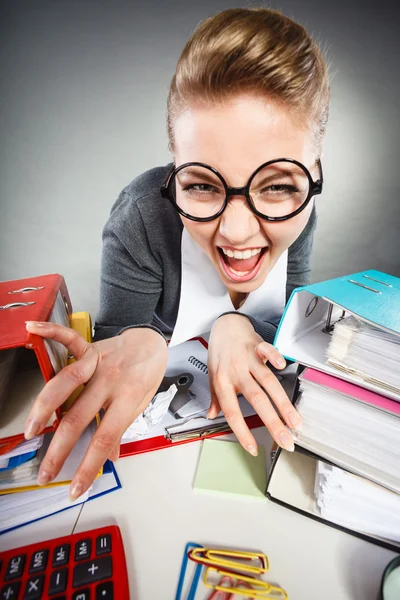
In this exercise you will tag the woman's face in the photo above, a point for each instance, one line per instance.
(236, 138)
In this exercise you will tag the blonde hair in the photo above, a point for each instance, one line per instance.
(259, 51)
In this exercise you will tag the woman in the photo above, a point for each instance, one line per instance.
(215, 242)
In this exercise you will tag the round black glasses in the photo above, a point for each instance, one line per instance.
(278, 190)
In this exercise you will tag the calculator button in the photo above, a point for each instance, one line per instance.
(92, 570)
(10, 591)
(61, 555)
(105, 591)
(15, 567)
(34, 588)
(103, 544)
(82, 594)
(58, 581)
(83, 549)
(38, 561)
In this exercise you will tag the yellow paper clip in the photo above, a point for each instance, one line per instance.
(263, 558)
(258, 589)
(214, 558)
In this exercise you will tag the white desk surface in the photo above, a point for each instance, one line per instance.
(45, 529)
(158, 513)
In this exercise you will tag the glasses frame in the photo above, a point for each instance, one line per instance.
(315, 188)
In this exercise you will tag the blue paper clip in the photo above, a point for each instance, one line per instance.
(196, 576)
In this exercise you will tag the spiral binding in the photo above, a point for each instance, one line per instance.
(197, 363)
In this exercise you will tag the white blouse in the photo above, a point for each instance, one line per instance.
(204, 297)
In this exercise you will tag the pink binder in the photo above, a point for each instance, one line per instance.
(353, 391)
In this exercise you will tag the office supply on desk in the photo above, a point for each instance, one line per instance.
(17, 510)
(291, 483)
(371, 353)
(351, 417)
(15, 461)
(227, 573)
(355, 502)
(225, 468)
(340, 420)
(390, 584)
(183, 573)
(190, 358)
(242, 585)
(24, 477)
(28, 361)
(81, 322)
(232, 560)
(85, 565)
(304, 331)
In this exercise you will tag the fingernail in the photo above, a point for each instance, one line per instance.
(281, 362)
(75, 490)
(253, 450)
(295, 421)
(286, 441)
(32, 428)
(33, 324)
(44, 477)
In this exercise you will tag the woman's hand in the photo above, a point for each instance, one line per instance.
(236, 363)
(122, 374)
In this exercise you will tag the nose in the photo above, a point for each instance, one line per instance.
(238, 223)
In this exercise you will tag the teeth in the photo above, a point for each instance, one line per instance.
(241, 254)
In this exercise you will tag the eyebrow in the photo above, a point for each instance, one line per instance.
(198, 172)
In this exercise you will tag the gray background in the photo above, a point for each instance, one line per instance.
(83, 95)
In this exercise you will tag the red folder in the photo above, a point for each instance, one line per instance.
(159, 442)
(43, 298)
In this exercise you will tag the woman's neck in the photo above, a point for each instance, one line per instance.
(237, 298)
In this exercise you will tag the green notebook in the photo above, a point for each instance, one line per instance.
(226, 468)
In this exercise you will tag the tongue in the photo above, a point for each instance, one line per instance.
(245, 264)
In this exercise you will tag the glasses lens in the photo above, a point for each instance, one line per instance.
(279, 189)
(198, 191)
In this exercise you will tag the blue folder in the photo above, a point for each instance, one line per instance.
(303, 332)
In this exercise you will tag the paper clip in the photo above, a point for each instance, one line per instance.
(196, 576)
(215, 558)
(220, 595)
(265, 589)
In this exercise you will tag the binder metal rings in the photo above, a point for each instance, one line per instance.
(310, 308)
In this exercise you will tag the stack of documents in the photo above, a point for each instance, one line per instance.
(27, 362)
(345, 468)
(350, 426)
(366, 351)
(355, 502)
(18, 509)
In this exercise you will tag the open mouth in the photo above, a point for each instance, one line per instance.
(242, 266)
